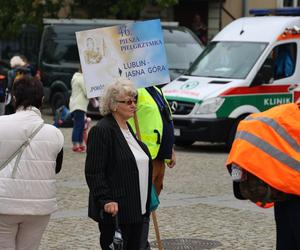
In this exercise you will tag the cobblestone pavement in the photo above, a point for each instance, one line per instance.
(196, 203)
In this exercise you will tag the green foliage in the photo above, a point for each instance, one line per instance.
(128, 9)
(121, 9)
(15, 13)
(166, 3)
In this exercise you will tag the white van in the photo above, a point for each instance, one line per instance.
(250, 66)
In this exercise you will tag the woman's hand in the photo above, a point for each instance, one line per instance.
(111, 208)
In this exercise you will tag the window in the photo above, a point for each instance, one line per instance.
(288, 3)
(283, 60)
(61, 51)
(227, 59)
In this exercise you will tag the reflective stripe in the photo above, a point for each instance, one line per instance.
(279, 130)
(269, 149)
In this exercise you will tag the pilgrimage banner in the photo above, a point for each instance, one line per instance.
(134, 51)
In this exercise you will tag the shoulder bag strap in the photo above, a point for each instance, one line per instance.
(20, 150)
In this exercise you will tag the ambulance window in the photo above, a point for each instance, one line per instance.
(279, 64)
(284, 58)
(227, 59)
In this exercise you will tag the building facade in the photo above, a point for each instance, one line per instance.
(215, 14)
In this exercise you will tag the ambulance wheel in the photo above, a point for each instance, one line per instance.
(183, 142)
(232, 132)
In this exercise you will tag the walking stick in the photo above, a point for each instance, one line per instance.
(153, 214)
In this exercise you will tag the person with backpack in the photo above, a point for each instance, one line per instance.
(264, 165)
(19, 67)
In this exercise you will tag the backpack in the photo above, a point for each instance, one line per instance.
(256, 190)
(16, 73)
(63, 118)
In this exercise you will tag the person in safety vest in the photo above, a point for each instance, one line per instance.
(157, 132)
(264, 163)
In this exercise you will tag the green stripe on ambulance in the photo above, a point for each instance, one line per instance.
(261, 102)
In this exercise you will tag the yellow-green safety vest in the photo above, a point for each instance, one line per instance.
(150, 121)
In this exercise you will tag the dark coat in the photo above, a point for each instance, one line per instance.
(112, 175)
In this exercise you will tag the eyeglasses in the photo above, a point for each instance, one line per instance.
(128, 102)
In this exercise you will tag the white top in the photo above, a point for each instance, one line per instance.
(78, 99)
(142, 162)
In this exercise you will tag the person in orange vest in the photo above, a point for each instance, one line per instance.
(267, 145)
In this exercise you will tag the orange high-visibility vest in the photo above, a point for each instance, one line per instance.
(267, 144)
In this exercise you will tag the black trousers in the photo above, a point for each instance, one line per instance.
(131, 234)
(287, 217)
(144, 244)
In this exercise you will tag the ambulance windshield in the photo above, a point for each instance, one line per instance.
(227, 59)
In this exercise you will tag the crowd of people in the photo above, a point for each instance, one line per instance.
(120, 169)
(127, 152)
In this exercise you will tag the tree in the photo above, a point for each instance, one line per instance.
(166, 3)
(14, 13)
(121, 9)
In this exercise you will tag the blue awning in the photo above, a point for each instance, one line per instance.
(287, 11)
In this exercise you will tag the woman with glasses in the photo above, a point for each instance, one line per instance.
(118, 169)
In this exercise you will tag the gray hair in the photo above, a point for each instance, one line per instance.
(17, 61)
(108, 101)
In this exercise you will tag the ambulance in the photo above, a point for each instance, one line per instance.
(250, 66)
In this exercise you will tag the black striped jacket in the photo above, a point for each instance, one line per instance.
(112, 175)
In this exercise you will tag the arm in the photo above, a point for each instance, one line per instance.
(59, 160)
(171, 163)
(82, 85)
(96, 165)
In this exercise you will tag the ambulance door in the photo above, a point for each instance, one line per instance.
(276, 80)
(296, 88)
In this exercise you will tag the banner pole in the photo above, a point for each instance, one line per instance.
(136, 125)
(153, 214)
(155, 224)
